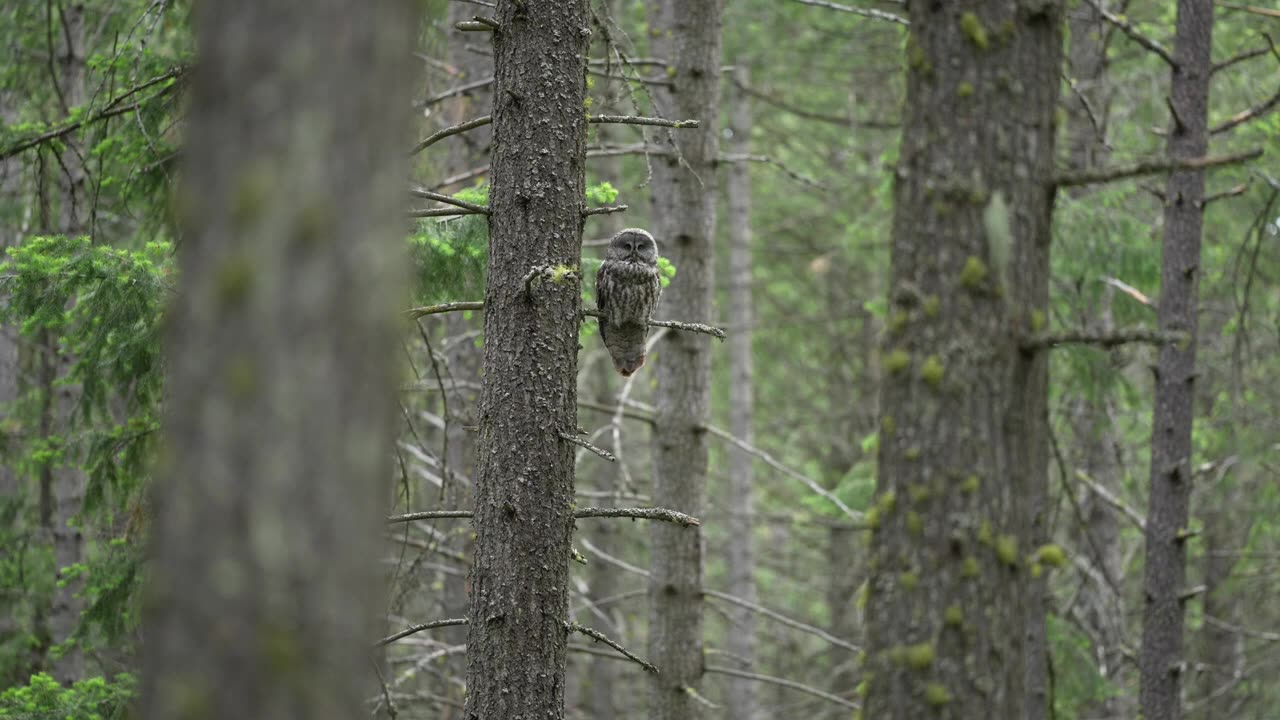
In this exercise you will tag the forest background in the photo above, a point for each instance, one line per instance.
(796, 153)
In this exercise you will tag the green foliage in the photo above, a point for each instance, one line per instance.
(93, 698)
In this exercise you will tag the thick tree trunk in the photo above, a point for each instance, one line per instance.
(1164, 581)
(524, 489)
(741, 641)
(683, 210)
(962, 416)
(265, 588)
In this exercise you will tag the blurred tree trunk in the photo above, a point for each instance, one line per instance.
(1220, 653)
(62, 486)
(265, 588)
(963, 440)
(524, 489)
(1164, 582)
(683, 212)
(741, 640)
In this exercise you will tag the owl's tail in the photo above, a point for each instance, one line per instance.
(625, 343)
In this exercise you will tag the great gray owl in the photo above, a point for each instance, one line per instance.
(627, 289)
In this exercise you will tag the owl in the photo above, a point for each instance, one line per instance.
(627, 289)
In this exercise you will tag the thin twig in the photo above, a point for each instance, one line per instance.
(597, 635)
(414, 629)
(801, 687)
(605, 210)
(783, 619)
(441, 212)
(663, 514)
(864, 12)
(1115, 502)
(641, 120)
(1230, 192)
(1151, 167)
(429, 515)
(452, 92)
(1245, 116)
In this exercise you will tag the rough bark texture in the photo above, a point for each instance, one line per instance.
(524, 489)
(683, 210)
(1164, 580)
(741, 641)
(265, 589)
(962, 424)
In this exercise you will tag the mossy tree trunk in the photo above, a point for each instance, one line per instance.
(963, 439)
(1162, 660)
(683, 212)
(265, 587)
(524, 488)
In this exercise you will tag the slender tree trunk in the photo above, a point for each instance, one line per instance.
(265, 588)
(741, 641)
(962, 415)
(683, 209)
(524, 489)
(1162, 660)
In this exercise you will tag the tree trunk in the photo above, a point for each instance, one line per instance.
(683, 212)
(963, 443)
(524, 489)
(265, 589)
(1164, 580)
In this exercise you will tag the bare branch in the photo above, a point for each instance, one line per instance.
(1128, 29)
(452, 92)
(605, 210)
(783, 619)
(584, 444)
(1265, 12)
(440, 212)
(429, 515)
(443, 308)
(436, 137)
(1236, 59)
(640, 120)
(1230, 192)
(716, 332)
(448, 200)
(801, 687)
(864, 12)
(1105, 339)
(1115, 502)
(601, 637)
(1245, 116)
(664, 514)
(414, 629)
(1151, 167)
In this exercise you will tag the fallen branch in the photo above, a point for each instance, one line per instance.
(784, 683)
(414, 629)
(1107, 339)
(663, 514)
(601, 637)
(1151, 167)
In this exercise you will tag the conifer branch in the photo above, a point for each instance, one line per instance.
(584, 444)
(449, 200)
(715, 332)
(663, 514)
(1134, 34)
(801, 687)
(414, 629)
(437, 136)
(443, 308)
(641, 120)
(783, 619)
(1151, 167)
(864, 12)
(1104, 339)
(429, 515)
(605, 210)
(601, 637)
(1245, 116)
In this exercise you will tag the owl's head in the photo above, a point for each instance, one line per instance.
(633, 245)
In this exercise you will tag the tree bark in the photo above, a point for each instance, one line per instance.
(265, 589)
(740, 699)
(1164, 580)
(683, 209)
(963, 444)
(524, 489)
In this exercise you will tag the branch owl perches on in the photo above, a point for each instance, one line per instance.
(627, 290)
